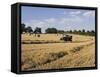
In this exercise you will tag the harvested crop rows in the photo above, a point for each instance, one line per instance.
(55, 54)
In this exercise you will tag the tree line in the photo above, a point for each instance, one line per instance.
(29, 29)
(37, 30)
(82, 32)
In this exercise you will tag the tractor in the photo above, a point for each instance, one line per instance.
(66, 38)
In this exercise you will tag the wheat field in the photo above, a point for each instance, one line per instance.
(49, 52)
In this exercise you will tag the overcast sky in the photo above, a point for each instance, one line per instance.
(62, 19)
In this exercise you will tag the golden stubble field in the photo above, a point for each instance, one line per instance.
(52, 53)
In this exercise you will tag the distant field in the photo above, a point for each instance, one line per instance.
(53, 38)
(54, 53)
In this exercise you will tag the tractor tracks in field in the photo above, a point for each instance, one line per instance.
(57, 56)
(50, 42)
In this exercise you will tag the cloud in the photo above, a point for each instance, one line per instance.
(36, 23)
(89, 13)
(71, 20)
(74, 20)
(50, 20)
(75, 12)
(43, 23)
(59, 23)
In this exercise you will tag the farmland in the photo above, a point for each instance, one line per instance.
(49, 52)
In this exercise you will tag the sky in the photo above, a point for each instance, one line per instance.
(62, 19)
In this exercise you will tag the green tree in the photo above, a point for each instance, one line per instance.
(37, 30)
(51, 30)
(70, 31)
(88, 31)
(75, 31)
(92, 31)
(29, 29)
(79, 31)
(60, 31)
(22, 28)
(83, 30)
